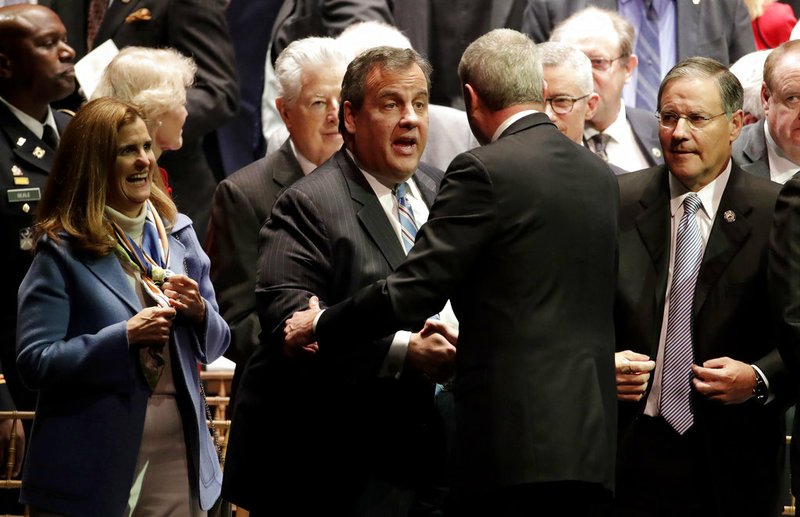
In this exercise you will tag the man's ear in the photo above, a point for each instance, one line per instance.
(280, 105)
(471, 99)
(349, 118)
(5, 66)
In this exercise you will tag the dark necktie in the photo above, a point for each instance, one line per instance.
(97, 9)
(408, 227)
(649, 53)
(600, 140)
(676, 383)
(50, 137)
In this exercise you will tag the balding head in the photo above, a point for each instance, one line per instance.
(35, 60)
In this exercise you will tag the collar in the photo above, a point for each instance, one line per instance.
(510, 120)
(659, 5)
(379, 188)
(36, 127)
(133, 226)
(305, 164)
(710, 195)
(781, 168)
(617, 128)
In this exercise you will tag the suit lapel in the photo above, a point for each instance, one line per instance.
(109, 271)
(726, 237)
(288, 169)
(688, 15)
(755, 150)
(113, 20)
(25, 145)
(653, 227)
(370, 212)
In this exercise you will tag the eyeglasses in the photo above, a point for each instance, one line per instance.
(669, 120)
(563, 104)
(602, 64)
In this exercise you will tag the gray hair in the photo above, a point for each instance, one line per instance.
(392, 59)
(749, 69)
(362, 36)
(561, 55)
(305, 54)
(153, 79)
(625, 32)
(730, 89)
(504, 69)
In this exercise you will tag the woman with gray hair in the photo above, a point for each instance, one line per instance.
(155, 80)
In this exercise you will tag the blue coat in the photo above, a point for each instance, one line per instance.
(72, 348)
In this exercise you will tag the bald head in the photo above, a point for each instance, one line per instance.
(35, 60)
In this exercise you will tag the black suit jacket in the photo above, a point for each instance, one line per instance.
(25, 162)
(327, 234)
(743, 443)
(719, 29)
(645, 130)
(242, 203)
(522, 239)
(195, 28)
(750, 150)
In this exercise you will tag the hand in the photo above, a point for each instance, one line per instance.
(150, 326)
(431, 353)
(299, 338)
(6, 427)
(449, 332)
(725, 380)
(633, 374)
(184, 296)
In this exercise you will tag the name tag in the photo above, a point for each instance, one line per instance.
(23, 195)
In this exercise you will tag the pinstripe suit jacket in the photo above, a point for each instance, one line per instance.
(328, 235)
(242, 202)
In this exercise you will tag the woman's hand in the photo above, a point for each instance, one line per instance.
(150, 326)
(184, 296)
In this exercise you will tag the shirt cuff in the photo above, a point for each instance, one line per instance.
(770, 394)
(316, 319)
(396, 356)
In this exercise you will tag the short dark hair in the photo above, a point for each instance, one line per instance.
(730, 89)
(393, 59)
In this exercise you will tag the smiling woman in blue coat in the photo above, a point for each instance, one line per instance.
(116, 312)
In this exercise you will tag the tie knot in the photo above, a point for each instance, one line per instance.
(401, 190)
(692, 203)
(650, 9)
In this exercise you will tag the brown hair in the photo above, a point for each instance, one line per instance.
(74, 198)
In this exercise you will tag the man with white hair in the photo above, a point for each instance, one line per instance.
(309, 76)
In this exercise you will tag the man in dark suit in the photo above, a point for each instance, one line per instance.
(35, 70)
(706, 437)
(352, 430)
(629, 135)
(196, 28)
(770, 148)
(719, 29)
(534, 388)
(308, 102)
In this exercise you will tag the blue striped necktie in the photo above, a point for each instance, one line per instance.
(649, 54)
(676, 384)
(408, 227)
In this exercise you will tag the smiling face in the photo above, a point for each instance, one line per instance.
(388, 133)
(312, 119)
(697, 157)
(130, 182)
(782, 105)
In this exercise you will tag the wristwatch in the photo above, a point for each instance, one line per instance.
(760, 391)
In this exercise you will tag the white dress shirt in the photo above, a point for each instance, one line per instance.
(622, 148)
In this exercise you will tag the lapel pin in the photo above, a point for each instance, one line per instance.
(696, 2)
(656, 152)
(729, 216)
(38, 152)
(26, 208)
(16, 171)
(21, 141)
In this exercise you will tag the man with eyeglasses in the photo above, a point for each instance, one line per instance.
(624, 136)
(706, 436)
(771, 147)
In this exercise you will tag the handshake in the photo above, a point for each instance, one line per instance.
(431, 351)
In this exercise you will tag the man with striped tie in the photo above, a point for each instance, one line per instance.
(706, 436)
(368, 405)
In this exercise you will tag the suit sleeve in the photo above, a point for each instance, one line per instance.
(461, 223)
(233, 247)
(297, 260)
(198, 29)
